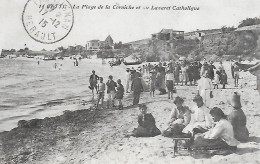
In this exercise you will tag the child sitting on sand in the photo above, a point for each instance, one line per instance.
(119, 94)
(101, 92)
(146, 124)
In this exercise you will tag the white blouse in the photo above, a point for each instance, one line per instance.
(224, 130)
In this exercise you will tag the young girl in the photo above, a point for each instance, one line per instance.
(152, 82)
(101, 92)
(216, 80)
(170, 83)
(119, 94)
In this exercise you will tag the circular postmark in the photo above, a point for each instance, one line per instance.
(48, 21)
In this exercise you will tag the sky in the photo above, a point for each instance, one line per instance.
(126, 25)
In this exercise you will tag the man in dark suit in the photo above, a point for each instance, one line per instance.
(136, 87)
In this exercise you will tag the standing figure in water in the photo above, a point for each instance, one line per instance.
(93, 82)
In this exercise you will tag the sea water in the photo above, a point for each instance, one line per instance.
(30, 90)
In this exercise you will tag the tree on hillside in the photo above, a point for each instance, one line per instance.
(118, 45)
(225, 29)
(249, 22)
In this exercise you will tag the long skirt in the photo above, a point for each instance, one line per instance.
(241, 134)
(160, 81)
(174, 131)
(205, 94)
(185, 77)
(210, 144)
(169, 85)
(145, 132)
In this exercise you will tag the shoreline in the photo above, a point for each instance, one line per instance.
(99, 136)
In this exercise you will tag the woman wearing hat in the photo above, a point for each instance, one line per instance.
(146, 124)
(179, 118)
(221, 136)
(238, 119)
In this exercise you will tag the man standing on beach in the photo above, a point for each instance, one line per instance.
(93, 82)
(136, 87)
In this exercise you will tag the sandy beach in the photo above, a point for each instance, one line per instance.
(99, 136)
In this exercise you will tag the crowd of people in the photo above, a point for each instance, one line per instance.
(164, 78)
(209, 128)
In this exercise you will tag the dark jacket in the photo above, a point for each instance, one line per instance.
(111, 86)
(137, 85)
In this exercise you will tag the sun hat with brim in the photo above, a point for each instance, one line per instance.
(197, 98)
(178, 99)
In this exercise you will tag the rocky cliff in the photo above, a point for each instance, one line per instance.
(224, 46)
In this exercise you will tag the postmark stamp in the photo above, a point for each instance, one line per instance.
(48, 21)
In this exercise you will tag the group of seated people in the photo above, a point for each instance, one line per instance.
(207, 128)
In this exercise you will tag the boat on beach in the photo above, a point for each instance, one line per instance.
(133, 63)
(115, 63)
(49, 58)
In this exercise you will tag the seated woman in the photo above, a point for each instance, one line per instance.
(238, 119)
(202, 120)
(146, 124)
(179, 118)
(219, 137)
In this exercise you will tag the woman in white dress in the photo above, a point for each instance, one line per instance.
(205, 88)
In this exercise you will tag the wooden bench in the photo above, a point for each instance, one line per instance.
(175, 143)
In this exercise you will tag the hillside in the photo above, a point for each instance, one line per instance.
(224, 46)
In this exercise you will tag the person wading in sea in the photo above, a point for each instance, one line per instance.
(93, 82)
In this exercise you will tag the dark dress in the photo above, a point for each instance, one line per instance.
(120, 92)
(211, 71)
(146, 126)
(137, 88)
(223, 78)
(238, 121)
